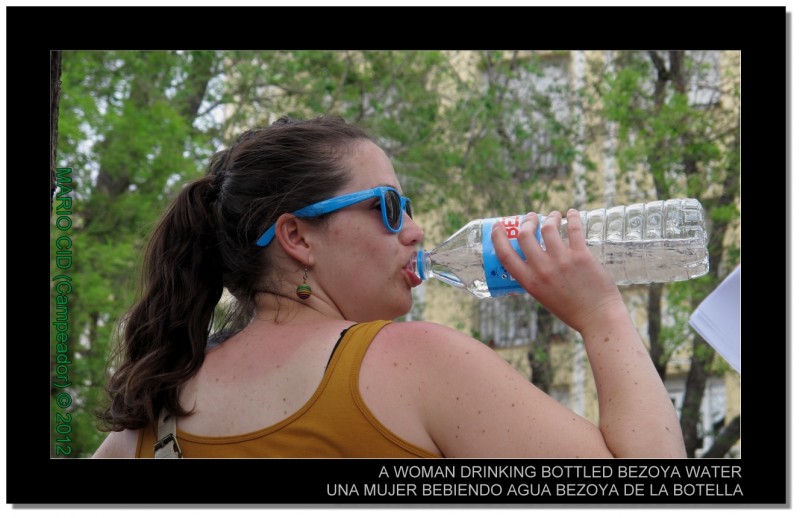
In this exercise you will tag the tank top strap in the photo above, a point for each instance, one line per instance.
(351, 351)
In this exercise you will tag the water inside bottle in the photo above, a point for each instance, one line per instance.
(457, 263)
(639, 262)
(650, 242)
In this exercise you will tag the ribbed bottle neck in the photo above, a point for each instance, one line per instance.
(420, 263)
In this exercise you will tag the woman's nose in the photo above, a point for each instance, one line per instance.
(411, 233)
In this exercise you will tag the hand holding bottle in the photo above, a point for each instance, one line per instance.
(636, 413)
(566, 278)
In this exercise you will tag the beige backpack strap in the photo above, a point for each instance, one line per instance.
(167, 445)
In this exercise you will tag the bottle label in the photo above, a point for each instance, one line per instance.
(498, 280)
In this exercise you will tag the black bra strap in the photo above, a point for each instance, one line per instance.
(341, 336)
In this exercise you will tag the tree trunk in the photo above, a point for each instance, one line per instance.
(702, 356)
(55, 96)
(725, 440)
(202, 70)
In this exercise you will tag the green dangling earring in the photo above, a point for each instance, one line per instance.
(304, 290)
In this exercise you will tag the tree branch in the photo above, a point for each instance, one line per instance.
(725, 440)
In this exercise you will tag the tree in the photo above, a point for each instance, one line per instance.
(129, 131)
(677, 113)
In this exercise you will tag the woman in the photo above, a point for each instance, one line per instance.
(303, 222)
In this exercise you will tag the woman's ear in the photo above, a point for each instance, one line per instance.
(291, 234)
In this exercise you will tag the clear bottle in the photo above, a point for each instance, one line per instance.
(659, 241)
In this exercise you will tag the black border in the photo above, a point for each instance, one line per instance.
(33, 478)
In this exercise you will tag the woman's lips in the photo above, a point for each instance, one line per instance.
(411, 275)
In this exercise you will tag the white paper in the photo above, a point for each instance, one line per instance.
(718, 319)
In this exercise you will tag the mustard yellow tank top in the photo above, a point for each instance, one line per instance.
(335, 422)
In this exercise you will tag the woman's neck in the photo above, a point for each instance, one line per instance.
(281, 309)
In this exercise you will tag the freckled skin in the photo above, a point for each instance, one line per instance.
(478, 378)
(454, 396)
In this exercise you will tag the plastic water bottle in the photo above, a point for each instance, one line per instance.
(659, 241)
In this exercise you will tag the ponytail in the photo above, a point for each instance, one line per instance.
(164, 336)
(207, 240)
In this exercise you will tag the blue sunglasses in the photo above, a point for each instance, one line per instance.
(392, 207)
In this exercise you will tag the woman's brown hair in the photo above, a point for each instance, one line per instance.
(206, 241)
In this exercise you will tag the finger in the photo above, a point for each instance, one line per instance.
(575, 230)
(529, 236)
(507, 256)
(551, 232)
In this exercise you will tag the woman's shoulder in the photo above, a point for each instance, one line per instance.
(430, 341)
(423, 331)
(118, 445)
